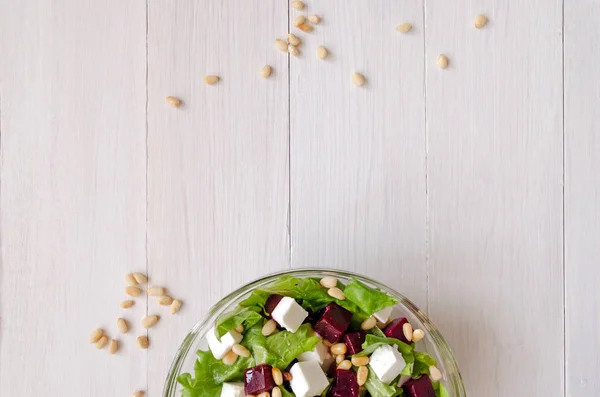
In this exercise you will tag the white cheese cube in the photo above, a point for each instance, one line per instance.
(289, 314)
(220, 348)
(384, 314)
(235, 389)
(308, 379)
(387, 363)
(320, 354)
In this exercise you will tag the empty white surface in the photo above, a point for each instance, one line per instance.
(474, 190)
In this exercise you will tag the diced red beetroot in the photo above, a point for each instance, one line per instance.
(258, 379)
(313, 317)
(272, 302)
(421, 387)
(354, 341)
(394, 329)
(331, 370)
(344, 384)
(333, 323)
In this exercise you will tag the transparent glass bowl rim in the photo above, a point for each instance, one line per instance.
(200, 328)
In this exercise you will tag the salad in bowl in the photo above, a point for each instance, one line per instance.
(307, 333)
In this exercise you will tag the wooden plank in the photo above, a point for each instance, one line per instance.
(582, 197)
(494, 122)
(358, 153)
(218, 166)
(72, 116)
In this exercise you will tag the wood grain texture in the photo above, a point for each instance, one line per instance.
(72, 193)
(494, 125)
(582, 197)
(358, 195)
(218, 166)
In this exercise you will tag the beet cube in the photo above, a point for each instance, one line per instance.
(344, 384)
(394, 329)
(354, 341)
(272, 302)
(258, 379)
(333, 323)
(421, 387)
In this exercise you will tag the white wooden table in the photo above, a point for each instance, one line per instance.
(474, 190)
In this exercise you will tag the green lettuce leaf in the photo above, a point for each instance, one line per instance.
(369, 300)
(440, 390)
(372, 342)
(379, 389)
(422, 363)
(246, 316)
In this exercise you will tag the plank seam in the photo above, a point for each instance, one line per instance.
(289, 215)
(427, 220)
(146, 209)
(564, 265)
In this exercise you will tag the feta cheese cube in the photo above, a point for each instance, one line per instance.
(308, 379)
(383, 315)
(319, 354)
(387, 363)
(289, 314)
(220, 348)
(235, 389)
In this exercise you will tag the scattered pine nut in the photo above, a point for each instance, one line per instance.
(407, 330)
(305, 28)
(127, 304)
(138, 394)
(239, 328)
(265, 71)
(277, 376)
(150, 321)
(240, 350)
(360, 361)
(418, 334)
(442, 61)
(368, 323)
(480, 21)
(113, 346)
(358, 79)
(101, 342)
(211, 79)
(122, 325)
(299, 20)
(156, 291)
(293, 39)
(314, 19)
(339, 348)
(133, 291)
(435, 373)
(292, 49)
(269, 327)
(345, 365)
(336, 293)
(287, 376)
(297, 4)
(339, 358)
(230, 358)
(130, 279)
(143, 342)
(175, 306)
(281, 45)
(173, 101)
(328, 281)
(165, 300)
(404, 28)
(96, 335)
(322, 53)
(361, 375)
(141, 277)
(276, 392)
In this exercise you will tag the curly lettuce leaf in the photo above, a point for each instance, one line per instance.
(379, 389)
(369, 300)
(372, 342)
(246, 316)
(422, 363)
(440, 390)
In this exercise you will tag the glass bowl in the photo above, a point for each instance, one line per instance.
(433, 343)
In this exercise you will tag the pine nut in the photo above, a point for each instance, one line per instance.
(299, 20)
(127, 304)
(435, 373)
(292, 49)
(328, 281)
(265, 71)
(327, 343)
(339, 358)
(122, 325)
(407, 330)
(361, 375)
(240, 350)
(335, 292)
(277, 376)
(305, 28)
(322, 53)
(130, 279)
(239, 328)
(96, 335)
(346, 364)
(230, 358)
(264, 394)
(143, 342)
(211, 79)
(156, 291)
(165, 300)
(339, 348)
(442, 61)
(358, 79)
(113, 346)
(287, 376)
(101, 342)
(298, 4)
(138, 394)
(276, 392)
(133, 291)
(404, 28)
(360, 361)
(150, 321)
(314, 19)
(281, 45)
(480, 21)
(141, 277)
(269, 327)
(418, 334)
(293, 39)
(175, 306)
(368, 323)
